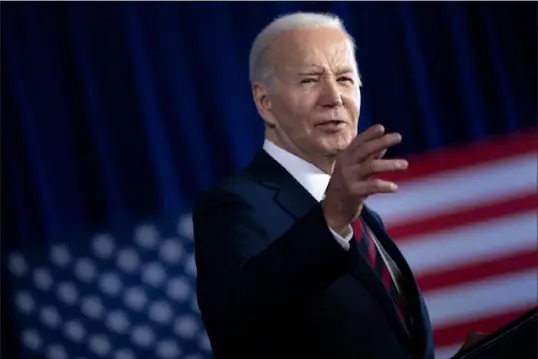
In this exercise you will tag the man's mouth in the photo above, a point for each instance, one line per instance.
(332, 126)
(331, 123)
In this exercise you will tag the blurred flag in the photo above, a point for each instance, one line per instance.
(466, 220)
(128, 294)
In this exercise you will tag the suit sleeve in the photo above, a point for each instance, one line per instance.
(244, 280)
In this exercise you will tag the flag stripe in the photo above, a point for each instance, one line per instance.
(490, 211)
(456, 334)
(457, 190)
(478, 270)
(458, 246)
(480, 299)
(465, 157)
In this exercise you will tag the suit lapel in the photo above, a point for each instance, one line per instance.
(290, 194)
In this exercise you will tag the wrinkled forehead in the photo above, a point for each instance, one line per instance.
(312, 49)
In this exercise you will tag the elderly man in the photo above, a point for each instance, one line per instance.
(291, 263)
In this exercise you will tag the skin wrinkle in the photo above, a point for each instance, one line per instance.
(314, 80)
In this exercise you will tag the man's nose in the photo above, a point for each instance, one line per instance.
(330, 93)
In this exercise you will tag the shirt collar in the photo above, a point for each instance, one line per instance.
(314, 180)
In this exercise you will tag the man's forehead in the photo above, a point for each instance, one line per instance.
(313, 48)
(337, 68)
(314, 38)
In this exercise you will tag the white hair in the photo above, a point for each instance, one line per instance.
(259, 68)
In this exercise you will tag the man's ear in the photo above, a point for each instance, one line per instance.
(263, 103)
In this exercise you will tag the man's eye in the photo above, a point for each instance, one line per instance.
(345, 79)
(308, 80)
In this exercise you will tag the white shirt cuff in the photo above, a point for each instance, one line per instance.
(344, 242)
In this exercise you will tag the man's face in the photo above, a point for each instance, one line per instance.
(313, 103)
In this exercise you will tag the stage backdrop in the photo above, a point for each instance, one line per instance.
(116, 116)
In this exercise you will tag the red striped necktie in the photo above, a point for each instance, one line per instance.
(366, 244)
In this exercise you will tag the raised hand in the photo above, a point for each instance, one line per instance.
(353, 180)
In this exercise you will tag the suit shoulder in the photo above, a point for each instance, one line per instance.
(238, 187)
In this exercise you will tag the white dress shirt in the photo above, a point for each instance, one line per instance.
(314, 180)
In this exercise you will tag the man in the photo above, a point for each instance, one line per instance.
(291, 263)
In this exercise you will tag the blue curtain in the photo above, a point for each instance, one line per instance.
(118, 113)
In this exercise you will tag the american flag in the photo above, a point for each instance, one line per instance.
(465, 219)
(123, 294)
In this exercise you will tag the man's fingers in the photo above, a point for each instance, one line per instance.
(371, 133)
(379, 155)
(370, 148)
(373, 186)
(373, 167)
(366, 185)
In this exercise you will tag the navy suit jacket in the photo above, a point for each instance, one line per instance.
(274, 283)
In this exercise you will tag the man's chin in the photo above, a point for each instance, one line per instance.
(335, 147)
(332, 151)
